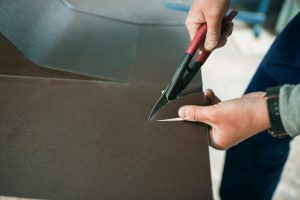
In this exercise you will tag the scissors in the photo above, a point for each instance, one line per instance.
(185, 73)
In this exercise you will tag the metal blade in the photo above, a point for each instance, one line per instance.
(160, 103)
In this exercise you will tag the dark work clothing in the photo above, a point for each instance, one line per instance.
(253, 168)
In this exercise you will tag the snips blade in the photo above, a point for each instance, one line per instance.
(168, 112)
(159, 104)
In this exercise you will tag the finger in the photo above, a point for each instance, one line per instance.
(213, 33)
(192, 29)
(213, 99)
(193, 23)
(196, 113)
(228, 29)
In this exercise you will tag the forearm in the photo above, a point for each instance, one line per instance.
(289, 106)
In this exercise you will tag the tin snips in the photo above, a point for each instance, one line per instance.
(174, 96)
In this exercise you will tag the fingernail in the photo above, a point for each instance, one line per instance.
(209, 45)
(181, 112)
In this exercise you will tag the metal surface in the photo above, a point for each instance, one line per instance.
(66, 137)
(158, 54)
(51, 34)
(161, 102)
(71, 139)
(142, 12)
(13, 62)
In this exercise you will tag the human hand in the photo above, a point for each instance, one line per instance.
(210, 12)
(231, 121)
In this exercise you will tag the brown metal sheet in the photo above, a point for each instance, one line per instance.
(71, 139)
(159, 53)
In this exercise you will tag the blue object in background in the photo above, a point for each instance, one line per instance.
(180, 6)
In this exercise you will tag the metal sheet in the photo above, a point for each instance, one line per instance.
(159, 52)
(13, 62)
(143, 12)
(71, 139)
(51, 34)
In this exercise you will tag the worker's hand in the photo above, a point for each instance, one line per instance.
(210, 12)
(231, 121)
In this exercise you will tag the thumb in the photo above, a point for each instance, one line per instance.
(213, 33)
(196, 113)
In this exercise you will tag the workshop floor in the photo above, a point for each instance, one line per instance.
(228, 72)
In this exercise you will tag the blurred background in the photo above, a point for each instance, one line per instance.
(228, 70)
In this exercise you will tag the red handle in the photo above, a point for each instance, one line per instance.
(200, 36)
(203, 57)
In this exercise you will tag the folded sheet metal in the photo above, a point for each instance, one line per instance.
(78, 139)
(67, 135)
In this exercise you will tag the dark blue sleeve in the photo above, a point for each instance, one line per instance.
(282, 62)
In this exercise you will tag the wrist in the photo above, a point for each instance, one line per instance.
(265, 119)
(258, 113)
(272, 100)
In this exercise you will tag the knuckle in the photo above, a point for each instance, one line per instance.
(193, 113)
(187, 22)
(191, 20)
